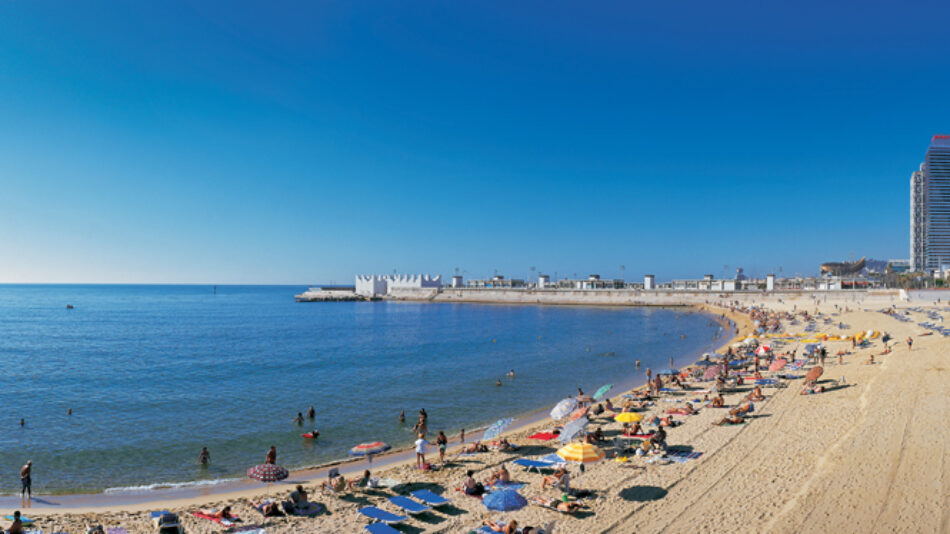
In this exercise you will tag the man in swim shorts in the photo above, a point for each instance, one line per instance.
(26, 480)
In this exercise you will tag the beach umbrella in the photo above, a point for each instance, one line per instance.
(711, 372)
(778, 364)
(603, 391)
(572, 429)
(668, 371)
(763, 350)
(368, 449)
(268, 474)
(504, 500)
(580, 412)
(584, 453)
(706, 363)
(563, 408)
(497, 428)
(628, 417)
(814, 373)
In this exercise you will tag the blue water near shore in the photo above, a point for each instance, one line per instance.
(153, 373)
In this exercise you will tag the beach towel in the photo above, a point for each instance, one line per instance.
(23, 519)
(309, 509)
(498, 486)
(639, 436)
(218, 520)
(727, 423)
(543, 436)
(682, 456)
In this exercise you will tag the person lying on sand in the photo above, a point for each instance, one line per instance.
(510, 528)
(730, 420)
(559, 504)
(476, 447)
(224, 513)
(870, 360)
(811, 388)
(684, 410)
(561, 479)
(268, 508)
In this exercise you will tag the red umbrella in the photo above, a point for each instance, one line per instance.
(268, 473)
(778, 364)
(763, 349)
(814, 373)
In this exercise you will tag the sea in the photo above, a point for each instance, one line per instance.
(153, 373)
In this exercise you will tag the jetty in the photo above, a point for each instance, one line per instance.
(329, 294)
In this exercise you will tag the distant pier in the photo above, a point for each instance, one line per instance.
(330, 294)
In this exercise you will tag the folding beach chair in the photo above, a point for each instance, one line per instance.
(378, 514)
(166, 522)
(430, 498)
(408, 505)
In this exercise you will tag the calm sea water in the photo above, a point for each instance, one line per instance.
(153, 373)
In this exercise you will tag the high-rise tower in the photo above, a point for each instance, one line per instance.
(930, 208)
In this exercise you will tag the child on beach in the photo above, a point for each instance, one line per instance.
(442, 442)
(421, 445)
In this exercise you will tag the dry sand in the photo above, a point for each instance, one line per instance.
(868, 456)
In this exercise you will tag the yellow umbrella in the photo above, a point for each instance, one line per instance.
(628, 417)
(584, 453)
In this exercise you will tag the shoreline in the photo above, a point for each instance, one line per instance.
(189, 492)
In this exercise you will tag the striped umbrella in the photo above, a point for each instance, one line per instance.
(369, 449)
(268, 474)
(497, 428)
(603, 391)
(580, 412)
(628, 417)
(563, 408)
(583, 453)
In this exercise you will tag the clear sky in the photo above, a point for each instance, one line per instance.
(304, 142)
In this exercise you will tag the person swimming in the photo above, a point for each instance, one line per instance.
(298, 419)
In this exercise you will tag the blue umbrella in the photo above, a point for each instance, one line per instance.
(603, 391)
(563, 408)
(706, 363)
(668, 371)
(572, 429)
(497, 428)
(504, 500)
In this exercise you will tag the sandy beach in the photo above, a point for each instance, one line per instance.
(866, 455)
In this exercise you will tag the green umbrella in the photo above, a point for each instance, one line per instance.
(602, 391)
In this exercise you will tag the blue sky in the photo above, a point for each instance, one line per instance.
(280, 142)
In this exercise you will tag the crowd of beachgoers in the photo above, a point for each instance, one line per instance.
(603, 462)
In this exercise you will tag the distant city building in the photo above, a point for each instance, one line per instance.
(373, 285)
(649, 282)
(496, 282)
(930, 208)
(543, 281)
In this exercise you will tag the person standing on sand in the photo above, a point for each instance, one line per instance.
(421, 445)
(462, 436)
(204, 456)
(910, 343)
(26, 480)
(271, 455)
(442, 442)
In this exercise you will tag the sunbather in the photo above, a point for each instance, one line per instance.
(635, 430)
(560, 478)
(756, 394)
(730, 420)
(717, 402)
(510, 528)
(560, 505)
(335, 482)
(17, 526)
(476, 447)
(224, 513)
(269, 509)
(362, 482)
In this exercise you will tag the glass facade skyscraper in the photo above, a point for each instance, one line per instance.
(930, 209)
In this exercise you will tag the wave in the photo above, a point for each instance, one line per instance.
(168, 485)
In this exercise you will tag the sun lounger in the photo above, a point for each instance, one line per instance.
(408, 505)
(378, 514)
(430, 498)
(380, 528)
(166, 522)
(528, 464)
